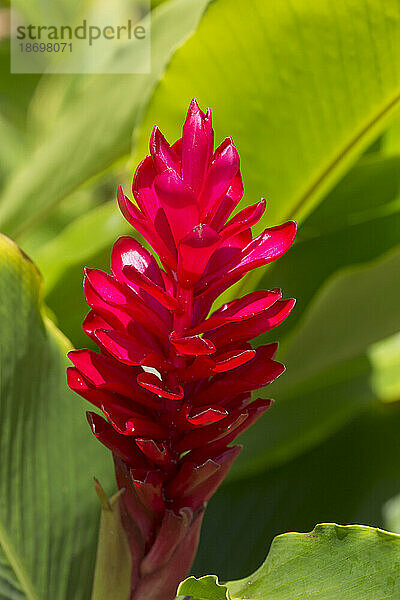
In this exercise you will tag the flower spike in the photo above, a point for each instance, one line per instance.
(172, 381)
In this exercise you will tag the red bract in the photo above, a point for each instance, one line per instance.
(173, 382)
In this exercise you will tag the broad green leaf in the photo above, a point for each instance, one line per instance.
(204, 588)
(348, 478)
(350, 562)
(95, 129)
(48, 509)
(302, 86)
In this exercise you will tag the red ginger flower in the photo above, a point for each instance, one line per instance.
(174, 383)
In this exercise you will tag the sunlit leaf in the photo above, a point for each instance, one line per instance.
(333, 561)
(48, 509)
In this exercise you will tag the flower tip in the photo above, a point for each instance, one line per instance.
(193, 106)
(195, 111)
(75, 381)
(156, 139)
(193, 114)
(153, 138)
(227, 152)
(260, 207)
(155, 133)
(87, 273)
(120, 193)
(281, 368)
(123, 201)
(228, 143)
(293, 227)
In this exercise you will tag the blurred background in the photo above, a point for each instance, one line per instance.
(309, 91)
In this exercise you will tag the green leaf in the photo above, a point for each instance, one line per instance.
(303, 87)
(204, 588)
(333, 561)
(48, 513)
(350, 562)
(112, 578)
(347, 478)
(95, 128)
